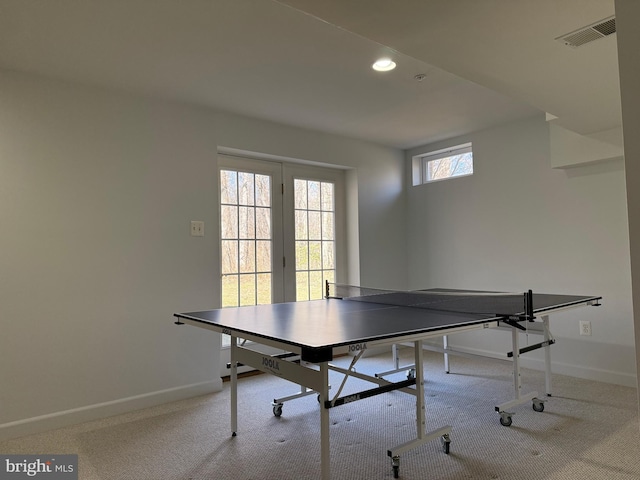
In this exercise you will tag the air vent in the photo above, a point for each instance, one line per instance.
(584, 35)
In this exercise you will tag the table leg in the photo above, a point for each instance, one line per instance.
(445, 344)
(420, 407)
(519, 398)
(547, 355)
(516, 363)
(396, 358)
(234, 386)
(325, 457)
(422, 436)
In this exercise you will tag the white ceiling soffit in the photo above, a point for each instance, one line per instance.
(258, 58)
(518, 57)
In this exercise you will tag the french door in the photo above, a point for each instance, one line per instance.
(279, 233)
(250, 222)
(313, 230)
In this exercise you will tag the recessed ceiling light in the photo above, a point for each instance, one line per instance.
(384, 65)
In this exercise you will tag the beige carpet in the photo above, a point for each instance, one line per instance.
(589, 430)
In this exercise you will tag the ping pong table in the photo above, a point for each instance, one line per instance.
(352, 320)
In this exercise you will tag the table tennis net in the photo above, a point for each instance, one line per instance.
(494, 304)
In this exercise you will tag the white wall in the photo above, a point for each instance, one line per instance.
(518, 224)
(97, 189)
(628, 36)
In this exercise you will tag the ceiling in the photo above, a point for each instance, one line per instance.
(307, 62)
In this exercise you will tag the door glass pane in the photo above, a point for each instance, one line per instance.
(246, 239)
(328, 260)
(263, 288)
(228, 187)
(313, 195)
(302, 225)
(228, 221)
(230, 291)
(302, 286)
(315, 255)
(316, 289)
(263, 223)
(229, 256)
(302, 255)
(248, 292)
(263, 256)
(326, 190)
(315, 228)
(315, 237)
(246, 188)
(327, 226)
(246, 222)
(263, 190)
(247, 256)
(300, 194)
(328, 276)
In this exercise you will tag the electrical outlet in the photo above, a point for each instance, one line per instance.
(197, 228)
(585, 327)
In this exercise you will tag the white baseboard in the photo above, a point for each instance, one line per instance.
(51, 421)
(590, 373)
(578, 371)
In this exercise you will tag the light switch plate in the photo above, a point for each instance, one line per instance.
(197, 228)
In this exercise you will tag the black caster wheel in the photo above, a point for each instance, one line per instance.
(538, 406)
(395, 465)
(505, 420)
(445, 440)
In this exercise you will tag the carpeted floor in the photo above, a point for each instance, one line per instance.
(589, 430)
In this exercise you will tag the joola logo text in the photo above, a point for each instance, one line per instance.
(357, 347)
(270, 363)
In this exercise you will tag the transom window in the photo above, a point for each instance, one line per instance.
(447, 163)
